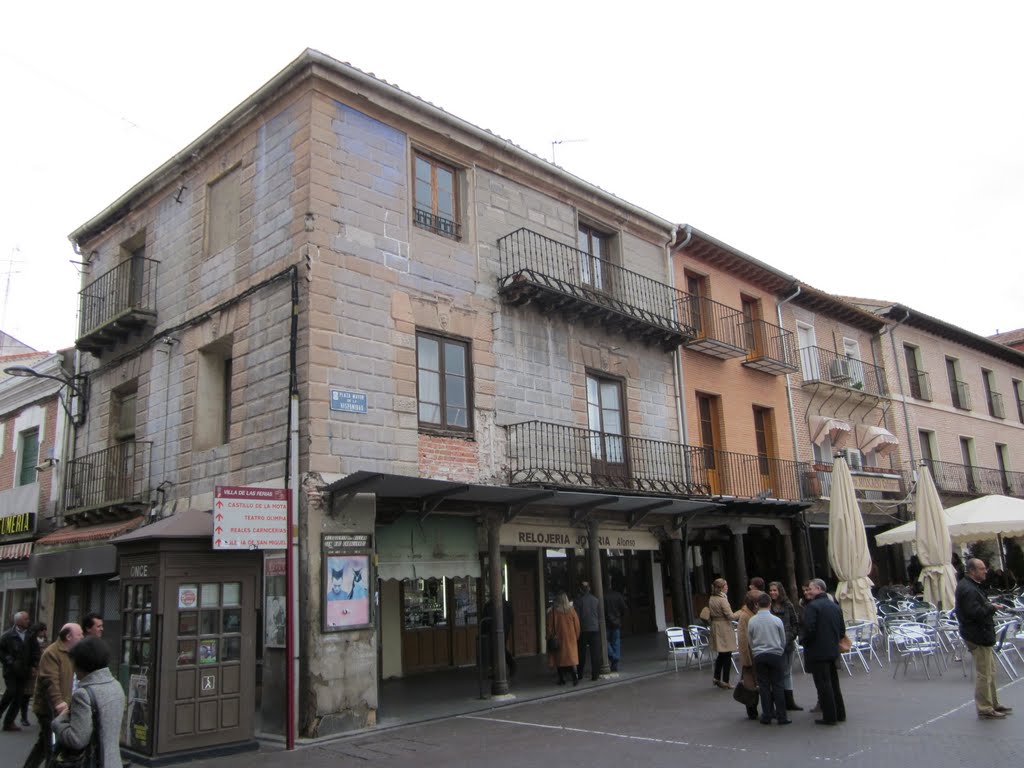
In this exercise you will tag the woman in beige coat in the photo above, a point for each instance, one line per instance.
(747, 678)
(564, 629)
(723, 637)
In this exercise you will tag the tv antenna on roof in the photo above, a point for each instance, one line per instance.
(556, 142)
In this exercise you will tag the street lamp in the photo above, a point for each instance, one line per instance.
(77, 385)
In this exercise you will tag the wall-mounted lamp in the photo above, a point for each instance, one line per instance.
(77, 385)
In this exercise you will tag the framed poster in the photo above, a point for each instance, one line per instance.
(275, 595)
(347, 583)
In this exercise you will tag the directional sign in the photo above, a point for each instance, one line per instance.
(250, 518)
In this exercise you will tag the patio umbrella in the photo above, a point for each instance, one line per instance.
(848, 547)
(933, 543)
(984, 519)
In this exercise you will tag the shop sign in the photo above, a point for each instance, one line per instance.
(19, 524)
(566, 537)
(250, 518)
(188, 596)
(875, 483)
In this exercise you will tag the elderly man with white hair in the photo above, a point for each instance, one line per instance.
(19, 654)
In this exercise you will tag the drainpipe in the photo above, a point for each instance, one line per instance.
(677, 368)
(792, 429)
(899, 378)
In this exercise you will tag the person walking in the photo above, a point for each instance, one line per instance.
(19, 653)
(53, 690)
(588, 610)
(615, 610)
(975, 613)
(563, 633)
(92, 625)
(783, 607)
(75, 726)
(747, 677)
(822, 627)
(767, 646)
(723, 636)
(38, 633)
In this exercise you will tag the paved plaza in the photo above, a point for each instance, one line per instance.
(675, 719)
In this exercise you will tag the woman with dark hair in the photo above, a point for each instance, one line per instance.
(747, 678)
(723, 637)
(74, 728)
(783, 607)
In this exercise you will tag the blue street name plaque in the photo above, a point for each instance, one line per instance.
(350, 402)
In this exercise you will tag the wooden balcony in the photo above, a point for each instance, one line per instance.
(556, 277)
(839, 372)
(103, 483)
(718, 329)
(769, 348)
(117, 304)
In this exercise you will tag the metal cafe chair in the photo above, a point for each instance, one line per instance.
(1006, 647)
(956, 650)
(917, 643)
(679, 647)
(700, 638)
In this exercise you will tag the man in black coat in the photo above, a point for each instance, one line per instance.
(19, 653)
(975, 613)
(822, 627)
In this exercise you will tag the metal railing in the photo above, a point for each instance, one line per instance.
(553, 454)
(129, 287)
(715, 322)
(438, 224)
(960, 393)
(527, 257)
(769, 347)
(975, 481)
(114, 476)
(826, 365)
(920, 385)
(749, 476)
(995, 405)
(898, 479)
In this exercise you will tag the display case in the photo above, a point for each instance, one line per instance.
(439, 618)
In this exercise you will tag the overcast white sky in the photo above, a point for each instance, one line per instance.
(871, 148)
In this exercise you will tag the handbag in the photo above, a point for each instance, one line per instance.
(746, 696)
(845, 644)
(705, 614)
(553, 644)
(91, 755)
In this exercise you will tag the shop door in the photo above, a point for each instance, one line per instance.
(523, 596)
(640, 593)
(209, 666)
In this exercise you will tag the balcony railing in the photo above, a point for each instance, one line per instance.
(920, 385)
(552, 454)
(117, 303)
(967, 480)
(437, 224)
(960, 394)
(868, 482)
(995, 405)
(114, 477)
(748, 476)
(826, 366)
(560, 278)
(718, 328)
(769, 348)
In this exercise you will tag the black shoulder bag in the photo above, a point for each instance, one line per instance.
(90, 756)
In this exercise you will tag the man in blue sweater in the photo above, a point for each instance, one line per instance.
(767, 645)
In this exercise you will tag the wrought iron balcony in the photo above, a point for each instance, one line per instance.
(748, 476)
(116, 477)
(542, 453)
(868, 482)
(920, 385)
(769, 348)
(438, 224)
(117, 303)
(960, 394)
(559, 278)
(995, 405)
(825, 366)
(718, 328)
(966, 480)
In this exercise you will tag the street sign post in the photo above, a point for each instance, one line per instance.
(250, 518)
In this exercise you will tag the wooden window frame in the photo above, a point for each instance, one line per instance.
(431, 220)
(587, 256)
(443, 427)
(24, 469)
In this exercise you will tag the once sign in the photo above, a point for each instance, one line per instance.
(250, 518)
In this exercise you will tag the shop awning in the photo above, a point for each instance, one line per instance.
(19, 551)
(76, 534)
(414, 548)
(69, 563)
(835, 430)
(877, 439)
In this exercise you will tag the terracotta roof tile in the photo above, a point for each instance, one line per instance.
(70, 534)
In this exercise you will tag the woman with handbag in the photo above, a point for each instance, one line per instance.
(746, 690)
(89, 730)
(723, 637)
(783, 607)
(563, 634)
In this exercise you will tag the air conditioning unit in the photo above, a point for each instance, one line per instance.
(839, 370)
